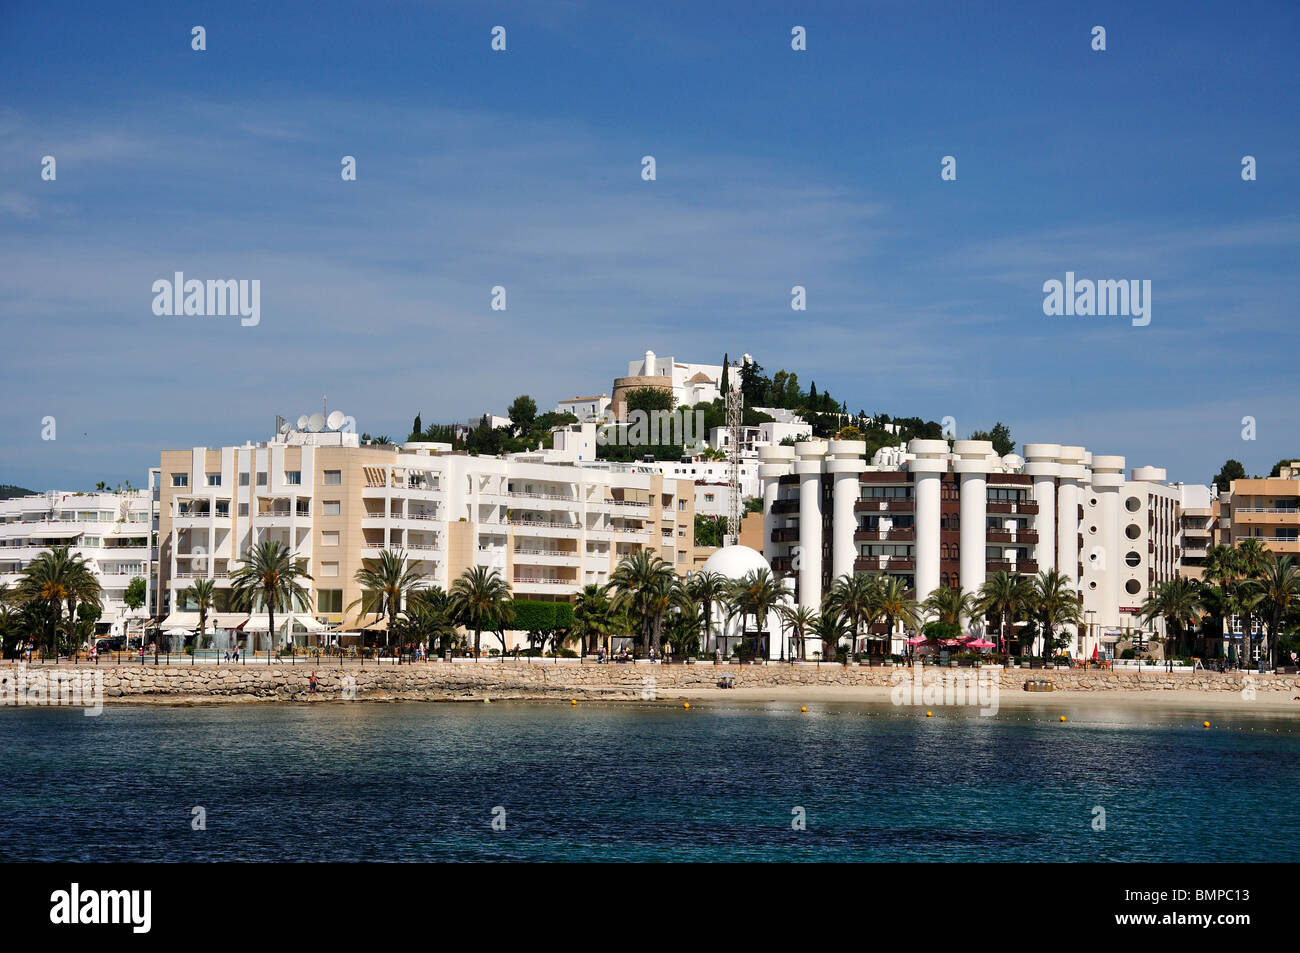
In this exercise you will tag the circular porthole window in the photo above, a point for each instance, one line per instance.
(1133, 504)
(1092, 585)
(1092, 557)
(1092, 530)
(1132, 559)
(1093, 501)
(1133, 587)
(1133, 531)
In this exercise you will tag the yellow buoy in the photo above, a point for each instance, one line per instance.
(1206, 724)
(1062, 718)
(803, 707)
(573, 701)
(686, 704)
(929, 714)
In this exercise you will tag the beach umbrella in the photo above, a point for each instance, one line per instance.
(981, 644)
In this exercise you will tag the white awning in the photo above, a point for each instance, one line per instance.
(181, 620)
(257, 623)
(55, 534)
(227, 620)
(309, 623)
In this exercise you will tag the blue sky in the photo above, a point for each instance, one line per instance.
(775, 168)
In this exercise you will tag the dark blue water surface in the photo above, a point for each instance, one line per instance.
(419, 781)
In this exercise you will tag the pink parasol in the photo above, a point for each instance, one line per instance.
(981, 644)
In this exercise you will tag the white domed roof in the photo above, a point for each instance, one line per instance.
(734, 562)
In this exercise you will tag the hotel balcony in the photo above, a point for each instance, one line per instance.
(785, 535)
(545, 557)
(546, 528)
(1024, 567)
(782, 563)
(1002, 506)
(884, 564)
(1007, 536)
(891, 505)
(907, 535)
(785, 507)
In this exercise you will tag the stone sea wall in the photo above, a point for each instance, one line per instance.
(443, 680)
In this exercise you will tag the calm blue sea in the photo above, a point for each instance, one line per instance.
(602, 782)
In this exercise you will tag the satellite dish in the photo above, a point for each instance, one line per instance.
(335, 420)
(302, 422)
(285, 427)
(316, 423)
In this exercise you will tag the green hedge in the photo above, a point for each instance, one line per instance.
(532, 615)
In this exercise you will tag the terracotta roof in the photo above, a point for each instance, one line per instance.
(700, 378)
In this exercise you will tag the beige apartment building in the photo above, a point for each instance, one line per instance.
(1266, 509)
(548, 525)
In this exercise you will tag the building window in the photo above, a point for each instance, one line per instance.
(293, 477)
(180, 479)
(329, 600)
(329, 538)
(243, 479)
(329, 569)
(333, 477)
(214, 479)
(332, 508)
(243, 509)
(681, 505)
(261, 479)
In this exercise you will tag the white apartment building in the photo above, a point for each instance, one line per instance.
(549, 527)
(109, 530)
(586, 409)
(936, 516)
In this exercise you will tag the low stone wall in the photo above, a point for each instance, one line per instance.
(442, 680)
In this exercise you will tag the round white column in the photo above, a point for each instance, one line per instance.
(931, 461)
(1107, 479)
(1042, 463)
(1073, 474)
(808, 466)
(845, 463)
(774, 463)
(971, 461)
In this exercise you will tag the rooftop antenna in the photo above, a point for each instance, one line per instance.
(735, 414)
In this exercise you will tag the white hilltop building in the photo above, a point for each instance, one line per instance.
(734, 563)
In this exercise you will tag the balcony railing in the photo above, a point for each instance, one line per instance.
(884, 563)
(889, 505)
(900, 535)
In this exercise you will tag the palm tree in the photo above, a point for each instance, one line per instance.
(54, 578)
(1280, 589)
(386, 581)
(481, 596)
(856, 596)
(949, 605)
(830, 627)
(201, 592)
(1055, 603)
(270, 578)
(685, 622)
(896, 605)
(644, 583)
(757, 594)
(1006, 596)
(800, 620)
(710, 589)
(591, 615)
(1177, 601)
(428, 618)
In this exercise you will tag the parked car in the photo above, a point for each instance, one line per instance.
(112, 643)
